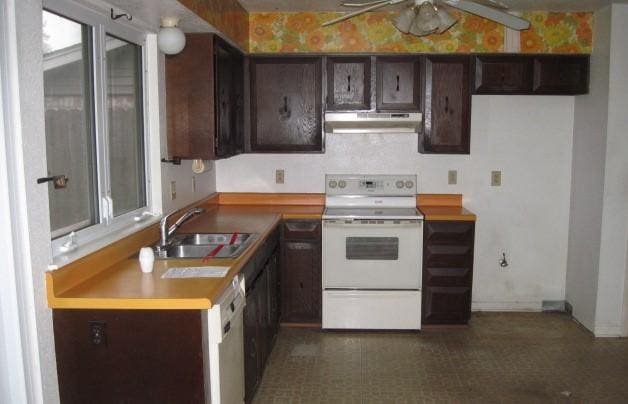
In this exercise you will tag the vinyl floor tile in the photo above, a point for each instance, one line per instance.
(499, 358)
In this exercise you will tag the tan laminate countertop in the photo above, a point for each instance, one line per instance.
(457, 213)
(124, 286)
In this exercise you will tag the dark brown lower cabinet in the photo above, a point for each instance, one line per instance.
(261, 324)
(129, 356)
(301, 284)
(447, 271)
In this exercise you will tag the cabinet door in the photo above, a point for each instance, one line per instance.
(274, 311)
(447, 111)
(561, 74)
(225, 121)
(251, 346)
(398, 82)
(446, 305)
(129, 356)
(348, 83)
(263, 321)
(502, 74)
(190, 99)
(237, 102)
(286, 104)
(300, 281)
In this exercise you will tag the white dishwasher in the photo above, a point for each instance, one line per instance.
(224, 353)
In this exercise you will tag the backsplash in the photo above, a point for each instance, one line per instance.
(295, 32)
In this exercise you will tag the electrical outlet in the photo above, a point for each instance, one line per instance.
(279, 176)
(173, 190)
(452, 177)
(496, 178)
(98, 332)
(194, 183)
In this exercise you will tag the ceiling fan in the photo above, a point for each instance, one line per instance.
(424, 17)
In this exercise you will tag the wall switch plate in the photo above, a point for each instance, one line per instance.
(194, 183)
(496, 178)
(279, 176)
(173, 190)
(452, 177)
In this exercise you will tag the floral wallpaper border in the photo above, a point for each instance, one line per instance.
(296, 32)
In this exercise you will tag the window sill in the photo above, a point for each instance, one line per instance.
(83, 250)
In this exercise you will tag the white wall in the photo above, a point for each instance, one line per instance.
(37, 225)
(528, 138)
(609, 316)
(587, 181)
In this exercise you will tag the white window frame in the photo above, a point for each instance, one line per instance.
(107, 224)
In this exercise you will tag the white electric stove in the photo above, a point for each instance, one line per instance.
(372, 252)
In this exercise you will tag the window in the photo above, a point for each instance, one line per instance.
(95, 132)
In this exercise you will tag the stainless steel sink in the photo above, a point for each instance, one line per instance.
(214, 238)
(199, 245)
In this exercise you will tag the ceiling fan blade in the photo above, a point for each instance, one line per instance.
(493, 3)
(490, 13)
(362, 11)
(369, 3)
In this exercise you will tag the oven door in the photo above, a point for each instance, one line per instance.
(372, 254)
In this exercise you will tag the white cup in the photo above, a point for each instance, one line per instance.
(147, 259)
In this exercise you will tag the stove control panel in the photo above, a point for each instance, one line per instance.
(379, 185)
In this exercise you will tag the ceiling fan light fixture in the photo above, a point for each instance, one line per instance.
(445, 19)
(403, 21)
(426, 21)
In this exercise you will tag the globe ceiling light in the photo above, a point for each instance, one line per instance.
(423, 18)
(171, 40)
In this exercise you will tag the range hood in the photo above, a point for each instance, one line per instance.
(372, 122)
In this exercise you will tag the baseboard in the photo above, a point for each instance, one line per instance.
(609, 331)
(507, 306)
(554, 305)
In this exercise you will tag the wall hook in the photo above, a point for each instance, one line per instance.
(116, 16)
(502, 261)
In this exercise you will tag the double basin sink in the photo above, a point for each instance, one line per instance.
(200, 245)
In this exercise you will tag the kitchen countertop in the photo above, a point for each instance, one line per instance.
(457, 213)
(124, 286)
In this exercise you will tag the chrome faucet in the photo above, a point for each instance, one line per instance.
(166, 232)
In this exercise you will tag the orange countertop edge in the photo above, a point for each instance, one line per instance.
(110, 278)
(442, 207)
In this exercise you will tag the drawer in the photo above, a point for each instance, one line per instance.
(447, 276)
(437, 232)
(301, 230)
(443, 256)
(446, 305)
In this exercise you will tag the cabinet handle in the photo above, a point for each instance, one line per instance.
(397, 82)
(446, 104)
(348, 83)
(301, 285)
(284, 111)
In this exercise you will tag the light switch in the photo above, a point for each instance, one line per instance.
(279, 176)
(452, 177)
(496, 178)
(173, 190)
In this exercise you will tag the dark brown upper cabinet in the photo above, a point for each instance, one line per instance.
(561, 74)
(447, 105)
(229, 73)
(502, 74)
(204, 98)
(286, 104)
(348, 83)
(398, 82)
(190, 99)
